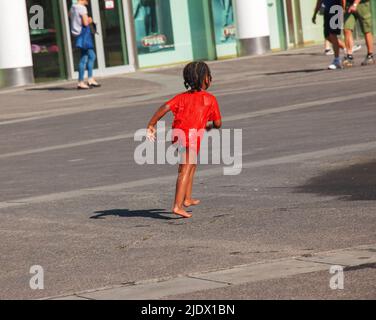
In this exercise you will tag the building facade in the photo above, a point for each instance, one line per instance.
(135, 34)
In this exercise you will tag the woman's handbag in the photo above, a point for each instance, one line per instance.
(85, 40)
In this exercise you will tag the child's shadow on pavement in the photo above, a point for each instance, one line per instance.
(125, 213)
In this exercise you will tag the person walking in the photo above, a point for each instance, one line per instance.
(358, 10)
(331, 32)
(80, 29)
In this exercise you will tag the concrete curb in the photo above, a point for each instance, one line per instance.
(276, 269)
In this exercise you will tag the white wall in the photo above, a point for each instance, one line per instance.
(15, 47)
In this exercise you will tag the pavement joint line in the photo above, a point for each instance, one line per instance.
(203, 173)
(39, 115)
(236, 117)
(252, 268)
(319, 262)
(216, 281)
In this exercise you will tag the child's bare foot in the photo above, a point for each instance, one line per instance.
(181, 212)
(191, 202)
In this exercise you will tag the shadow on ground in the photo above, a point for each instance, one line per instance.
(54, 89)
(294, 71)
(354, 183)
(312, 54)
(125, 213)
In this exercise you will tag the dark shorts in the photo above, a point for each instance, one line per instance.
(332, 24)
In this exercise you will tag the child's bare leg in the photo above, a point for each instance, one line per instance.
(341, 44)
(181, 190)
(188, 196)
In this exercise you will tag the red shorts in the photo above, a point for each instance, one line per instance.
(188, 139)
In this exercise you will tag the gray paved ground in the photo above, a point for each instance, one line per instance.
(73, 200)
(360, 284)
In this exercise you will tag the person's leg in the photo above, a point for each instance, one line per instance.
(369, 42)
(336, 64)
(331, 34)
(90, 67)
(349, 26)
(341, 44)
(189, 201)
(90, 64)
(369, 59)
(81, 69)
(187, 163)
(181, 189)
(349, 41)
(334, 41)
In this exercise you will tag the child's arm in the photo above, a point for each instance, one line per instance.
(159, 114)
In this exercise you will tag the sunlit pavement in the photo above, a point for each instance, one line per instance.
(73, 200)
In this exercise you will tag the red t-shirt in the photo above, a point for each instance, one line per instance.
(192, 111)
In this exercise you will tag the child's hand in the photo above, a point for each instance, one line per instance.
(151, 131)
(209, 127)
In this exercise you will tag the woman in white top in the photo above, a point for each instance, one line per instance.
(79, 18)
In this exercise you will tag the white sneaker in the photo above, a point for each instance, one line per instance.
(356, 48)
(336, 64)
(329, 52)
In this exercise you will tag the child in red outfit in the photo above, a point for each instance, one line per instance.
(192, 111)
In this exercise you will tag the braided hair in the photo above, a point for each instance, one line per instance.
(195, 74)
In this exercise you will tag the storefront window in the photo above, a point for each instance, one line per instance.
(113, 31)
(224, 26)
(46, 43)
(153, 26)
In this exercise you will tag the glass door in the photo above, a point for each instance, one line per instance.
(113, 32)
(224, 27)
(111, 40)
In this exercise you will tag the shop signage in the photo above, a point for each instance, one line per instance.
(109, 4)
